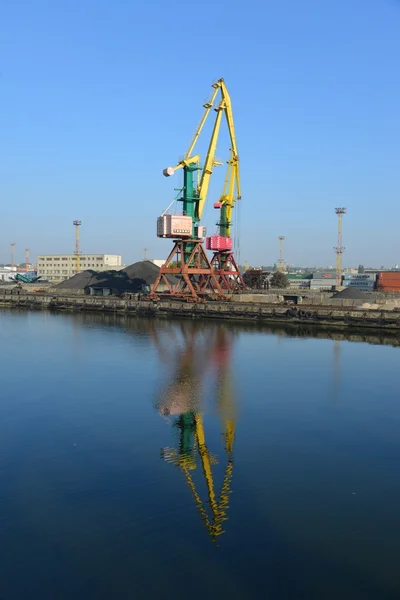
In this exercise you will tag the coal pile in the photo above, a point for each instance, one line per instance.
(351, 293)
(146, 270)
(131, 279)
(79, 281)
(117, 281)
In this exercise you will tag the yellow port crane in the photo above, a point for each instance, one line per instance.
(222, 273)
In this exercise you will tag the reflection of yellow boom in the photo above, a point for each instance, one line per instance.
(186, 461)
(193, 441)
(218, 508)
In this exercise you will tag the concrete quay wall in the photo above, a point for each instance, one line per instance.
(324, 315)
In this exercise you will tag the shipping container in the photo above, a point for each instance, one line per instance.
(357, 283)
(392, 283)
(316, 286)
(389, 275)
(323, 281)
(362, 281)
(327, 275)
(360, 276)
(389, 280)
(296, 280)
(295, 283)
(364, 288)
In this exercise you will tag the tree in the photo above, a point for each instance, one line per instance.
(361, 269)
(279, 280)
(175, 263)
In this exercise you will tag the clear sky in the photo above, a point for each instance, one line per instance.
(98, 96)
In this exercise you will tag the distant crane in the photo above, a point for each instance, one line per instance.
(339, 249)
(77, 252)
(12, 254)
(281, 240)
(27, 259)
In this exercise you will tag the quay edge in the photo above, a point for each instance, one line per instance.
(262, 312)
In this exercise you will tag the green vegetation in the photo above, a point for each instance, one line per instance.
(279, 280)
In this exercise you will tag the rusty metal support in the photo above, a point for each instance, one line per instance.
(195, 276)
(229, 276)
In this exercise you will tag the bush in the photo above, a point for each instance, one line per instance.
(279, 280)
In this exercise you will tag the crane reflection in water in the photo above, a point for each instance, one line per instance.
(195, 354)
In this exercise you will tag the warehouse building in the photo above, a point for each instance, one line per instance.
(63, 266)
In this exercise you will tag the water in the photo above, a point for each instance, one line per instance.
(102, 422)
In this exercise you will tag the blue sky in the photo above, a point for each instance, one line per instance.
(98, 96)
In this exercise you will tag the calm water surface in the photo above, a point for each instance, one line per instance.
(146, 459)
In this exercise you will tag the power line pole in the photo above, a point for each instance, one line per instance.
(77, 252)
(281, 239)
(339, 249)
(12, 254)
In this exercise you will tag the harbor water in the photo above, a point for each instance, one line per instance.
(144, 458)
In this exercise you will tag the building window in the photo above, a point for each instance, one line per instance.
(49, 259)
(64, 259)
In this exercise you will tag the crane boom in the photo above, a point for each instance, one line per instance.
(208, 106)
(202, 190)
(232, 134)
(193, 161)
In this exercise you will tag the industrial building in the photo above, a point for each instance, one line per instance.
(63, 266)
